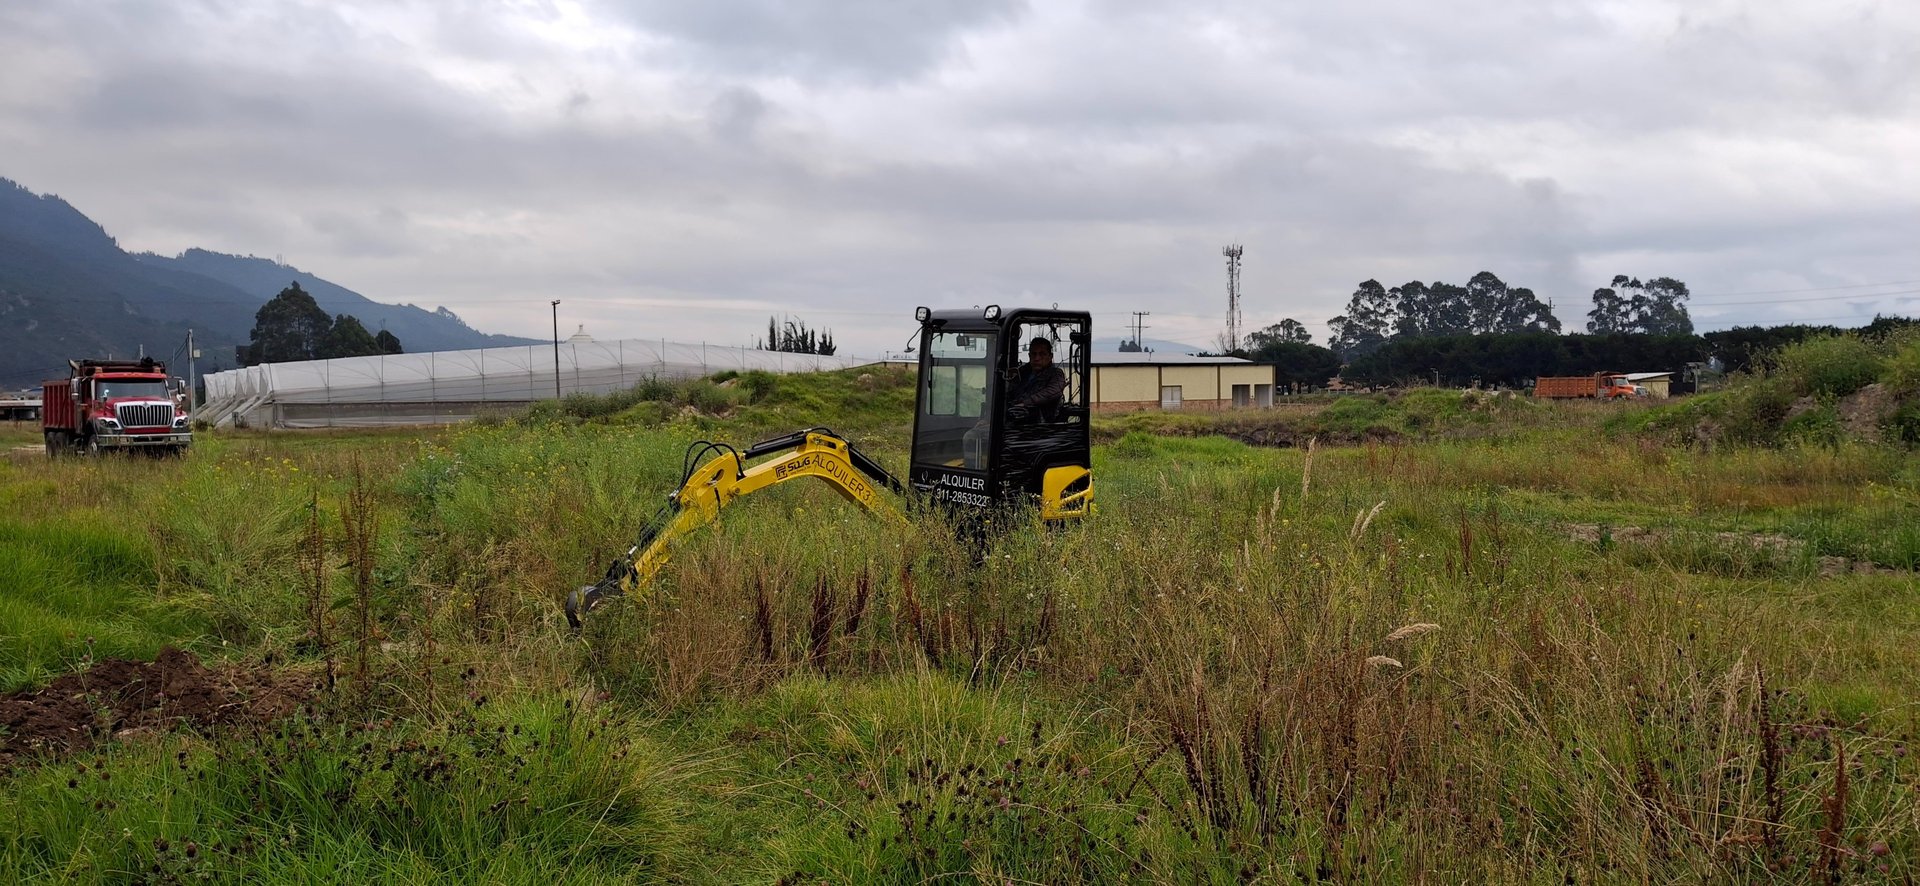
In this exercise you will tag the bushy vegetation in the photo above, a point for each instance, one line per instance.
(1482, 641)
(1824, 389)
(1415, 413)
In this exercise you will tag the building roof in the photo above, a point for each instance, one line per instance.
(1130, 358)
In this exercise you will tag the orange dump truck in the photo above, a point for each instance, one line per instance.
(1600, 385)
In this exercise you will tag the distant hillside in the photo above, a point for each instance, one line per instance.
(1156, 345)
(417, 328)
(68, 290)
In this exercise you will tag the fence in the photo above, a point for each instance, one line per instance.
(447, 386)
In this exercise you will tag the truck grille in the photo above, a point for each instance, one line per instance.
(146, 415)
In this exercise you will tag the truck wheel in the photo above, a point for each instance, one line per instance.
(53, 444)
(93, 446)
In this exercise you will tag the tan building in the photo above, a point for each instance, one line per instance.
(1134, 381)
(1658, 384)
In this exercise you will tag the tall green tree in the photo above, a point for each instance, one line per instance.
(1660, 307)
(1655, 307)
(388, 343)
(1366, 325)
(1438, 309)
(1499, 308)
(348, 338)
(290, 326)
(1288, 330)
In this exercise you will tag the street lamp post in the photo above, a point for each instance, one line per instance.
(556, 349)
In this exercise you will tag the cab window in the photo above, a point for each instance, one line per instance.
(955, 401)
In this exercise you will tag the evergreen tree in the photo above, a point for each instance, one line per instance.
(388, 343)
(1368, 322)
(290, 326)
(796, 338)
(1498, 308)
(348, 338)
(1656, 307)
(1288, 330)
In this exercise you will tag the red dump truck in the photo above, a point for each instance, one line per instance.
(1601, 385)
(115, 404)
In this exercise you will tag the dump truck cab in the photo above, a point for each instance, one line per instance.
(973, 446)
(1615, 387)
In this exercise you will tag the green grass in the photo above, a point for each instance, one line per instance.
(539, 790)
(1214, 679)
(76, 588)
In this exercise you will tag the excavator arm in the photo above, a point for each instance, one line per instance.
(714, 475)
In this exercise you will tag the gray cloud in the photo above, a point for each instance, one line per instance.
(877, 42)
(845, 162)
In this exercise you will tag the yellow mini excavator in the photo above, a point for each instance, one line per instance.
(983, 441)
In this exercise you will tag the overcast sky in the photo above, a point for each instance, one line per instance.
(684, 168)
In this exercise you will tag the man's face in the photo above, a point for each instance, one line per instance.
(1039, 356)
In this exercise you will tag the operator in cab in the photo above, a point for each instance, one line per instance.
(1034, 387)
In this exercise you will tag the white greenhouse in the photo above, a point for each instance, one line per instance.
(448, 386)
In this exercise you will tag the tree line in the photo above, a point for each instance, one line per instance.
(1489, 333)
(292, 326)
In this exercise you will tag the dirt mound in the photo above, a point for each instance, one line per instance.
(117, 697)
(1863, 412)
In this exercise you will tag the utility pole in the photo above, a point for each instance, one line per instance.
(556, 349)
(1232, 252)
(1139, 330)
(191, 353)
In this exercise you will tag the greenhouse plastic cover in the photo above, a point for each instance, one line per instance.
(441, 386)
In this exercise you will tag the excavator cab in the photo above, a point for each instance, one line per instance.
(975, 445)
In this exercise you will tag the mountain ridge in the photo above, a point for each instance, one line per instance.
(69, 291)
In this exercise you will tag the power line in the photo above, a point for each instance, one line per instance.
(1811, 289)
(1789, 301)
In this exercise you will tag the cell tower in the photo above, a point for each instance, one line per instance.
(1232, 253)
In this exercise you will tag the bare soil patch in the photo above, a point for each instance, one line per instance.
(1862, 413)
(1758, 541)
(117, 697)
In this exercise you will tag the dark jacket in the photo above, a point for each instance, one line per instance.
(1037, 390)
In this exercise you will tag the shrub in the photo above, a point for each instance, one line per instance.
(1757, 411)
(708, 397)
(1904, 424)
(1902, 368)
(1136, 444)
(759, 384)
(1821, 424)
(1830, 366)
(1355, 414)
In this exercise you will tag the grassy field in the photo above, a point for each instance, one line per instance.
(1482, 640)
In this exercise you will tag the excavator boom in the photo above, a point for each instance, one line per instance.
(709, 484)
